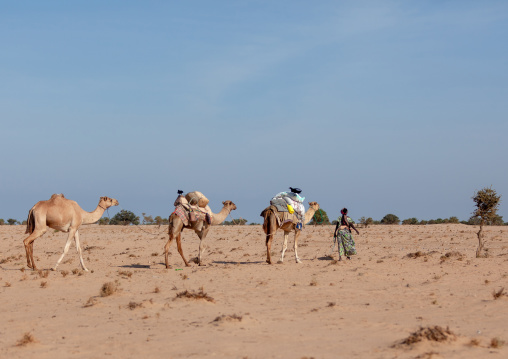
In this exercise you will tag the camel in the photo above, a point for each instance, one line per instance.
(201, 227)
(64, 215)
(270, 226)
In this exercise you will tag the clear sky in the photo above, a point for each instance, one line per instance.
(379, 106)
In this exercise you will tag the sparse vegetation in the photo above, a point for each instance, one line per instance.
(499, 293)
(435, 333)
(390, 219)
(108, 289)
(195, 295)
(26, 339)
(487, 204)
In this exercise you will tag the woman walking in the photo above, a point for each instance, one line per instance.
(343, 235)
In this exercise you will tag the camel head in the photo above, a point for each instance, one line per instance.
(107, 202)
(314, 205)
(229, 205)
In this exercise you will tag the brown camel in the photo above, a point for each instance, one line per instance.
(270, 226)
(64, 215)
(199, 226)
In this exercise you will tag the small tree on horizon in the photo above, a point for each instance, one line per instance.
(487, 204)
(366, 221)
(390, 219)
(2, 222)
(124, 218)
(12, 221)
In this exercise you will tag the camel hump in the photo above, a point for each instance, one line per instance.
(56, 195)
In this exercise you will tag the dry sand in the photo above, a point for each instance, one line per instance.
(361, 308)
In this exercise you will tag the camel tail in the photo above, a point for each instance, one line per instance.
(30, 221)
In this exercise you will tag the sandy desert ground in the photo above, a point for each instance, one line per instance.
(404, 278)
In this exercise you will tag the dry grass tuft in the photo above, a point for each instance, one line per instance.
(64, 273)
(227, 319)
(435, 334)
(499, 293)
(331, 304)
(155, 254)
(107, 289)
(7, 284)
(157, 290)
(415, 255)
(195, 295)
(134, 305)
(43, 273)
(27, 338)
(44, 284)
(90, 302)
(125, 273)
(313, 282)
(459, 256)
(496, 343)
(474, 342)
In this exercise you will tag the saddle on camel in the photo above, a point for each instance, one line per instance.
(192, 207)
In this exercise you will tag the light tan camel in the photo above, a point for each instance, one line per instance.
(64, 215)
(201, 227)
(270, 226)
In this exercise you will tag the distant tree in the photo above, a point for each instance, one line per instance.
(235, 222)
(423, 222)
(24, 222)
(320, 217)
(103, 221)
(390, 219)
(160, 221)
(147, 219)
(124, 218)
(2, 222)
(439, 221)
(487, 204)
(376, 222)
(411, 221)
(453, 220)
(497, 220)
(12, 221)
(366, 221)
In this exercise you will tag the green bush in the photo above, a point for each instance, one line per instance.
(2, 222)
(411, 221)
(390, 219)
(124, 218)
(487, 203)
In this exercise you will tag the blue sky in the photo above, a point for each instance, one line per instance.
(379, 106)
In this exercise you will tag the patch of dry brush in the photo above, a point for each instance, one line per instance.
(195, 295)
(435, 334)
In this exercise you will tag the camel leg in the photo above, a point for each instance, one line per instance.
(270, 231)
(78, 248)
(166, 249)
(284, 247)
(29, 245)
(202, 246)
(179, 245)
(66, 248)
(297, 234)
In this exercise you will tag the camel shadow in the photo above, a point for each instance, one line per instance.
(139, 266)
(326, 258)
(233, 262)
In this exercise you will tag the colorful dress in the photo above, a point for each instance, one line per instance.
(345, 241)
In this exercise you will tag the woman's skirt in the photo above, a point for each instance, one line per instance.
(346, 243)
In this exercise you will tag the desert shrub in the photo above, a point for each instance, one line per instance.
(104, 221)
(423, 222)
(2, 222)
(390, 219)
(160, 221)
(124, 218)
(147, 219)
(487, 204)
(453, 220)
(107, 289)
(12, 221)
(410, 221)
(235, 222)
(366, 221)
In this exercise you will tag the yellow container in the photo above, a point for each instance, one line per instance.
(290, 209)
